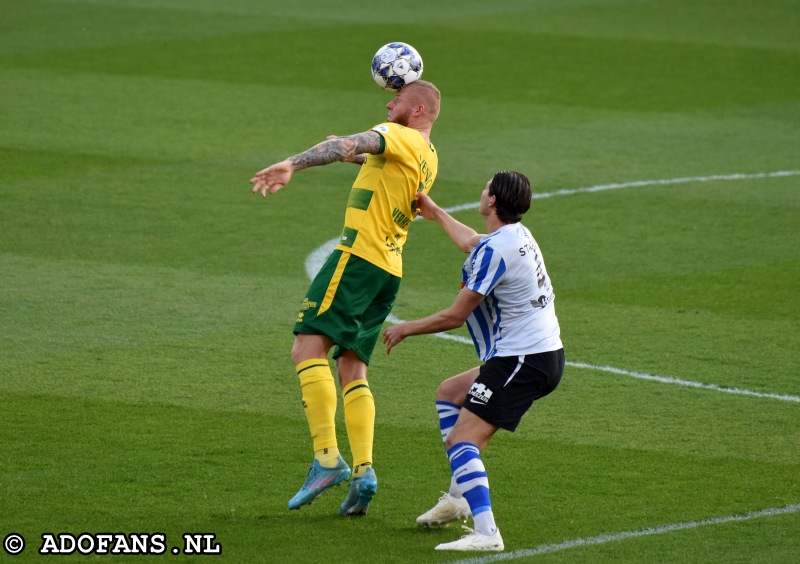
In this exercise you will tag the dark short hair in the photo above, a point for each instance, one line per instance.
(512, 193)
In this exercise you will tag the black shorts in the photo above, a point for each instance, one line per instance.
(507, 386)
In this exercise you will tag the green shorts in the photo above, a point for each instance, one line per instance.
(348, 301)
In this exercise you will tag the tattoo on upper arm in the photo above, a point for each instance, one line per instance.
(338, 149)
(366, 142)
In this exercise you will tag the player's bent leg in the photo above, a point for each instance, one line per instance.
(319, 403)
(359, 414)
(467, 467)
(450, 396)
(359, 418)
(310, 356)
(359, 409)
(306, 347)
(454, 389)
(466, 438)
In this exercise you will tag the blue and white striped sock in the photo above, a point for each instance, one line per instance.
(448, 415)
(470, 475)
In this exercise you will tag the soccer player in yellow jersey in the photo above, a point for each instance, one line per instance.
(353, 293)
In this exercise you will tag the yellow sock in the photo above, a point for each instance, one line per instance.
(359, 470)
(319, 403)
(359, 417)
(328, 457)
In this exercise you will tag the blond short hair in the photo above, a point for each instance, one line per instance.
(428, 95)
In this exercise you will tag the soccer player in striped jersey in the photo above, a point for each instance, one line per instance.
(353, 293)
(507, 302)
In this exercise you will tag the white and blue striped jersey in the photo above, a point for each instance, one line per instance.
(517, 316)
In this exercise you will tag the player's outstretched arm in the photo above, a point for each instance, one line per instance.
(450, 318)
(333, 149)
(463, 236)
(358, 159)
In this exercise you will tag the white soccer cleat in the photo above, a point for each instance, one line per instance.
(475, 542)
(446, 510)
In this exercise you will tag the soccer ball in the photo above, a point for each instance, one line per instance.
(395, 65)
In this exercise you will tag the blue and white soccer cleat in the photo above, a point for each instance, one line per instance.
(361, 492)
(319, 480)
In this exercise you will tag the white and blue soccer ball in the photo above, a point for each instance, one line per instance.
(395, 65)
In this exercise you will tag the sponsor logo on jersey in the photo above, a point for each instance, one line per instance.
(479, 394)
(401, 219)
(542, 301)
(427, 173)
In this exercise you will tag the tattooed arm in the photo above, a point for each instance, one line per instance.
(359, 158)
(352, 148)
(338, 149)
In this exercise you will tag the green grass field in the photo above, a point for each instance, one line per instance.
(147, 298)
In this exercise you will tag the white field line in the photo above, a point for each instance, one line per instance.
(639, 375)
(602, 539)
(316, 259)
(641, 183)
(681, 382)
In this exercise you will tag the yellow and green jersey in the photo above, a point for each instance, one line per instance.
(383, 200)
